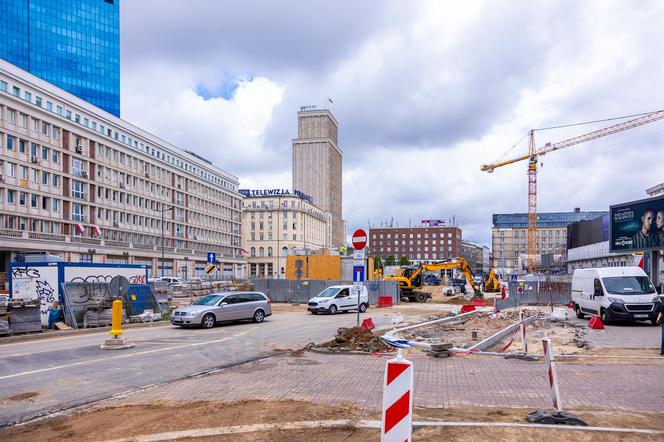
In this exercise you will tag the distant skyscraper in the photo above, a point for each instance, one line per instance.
(317, 165)
(72, 44)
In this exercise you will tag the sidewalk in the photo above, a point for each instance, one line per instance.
(457, 382)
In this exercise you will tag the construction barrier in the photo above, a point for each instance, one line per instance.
(552, 374)
(467, 308)
(385, 301)
(397, 421)
(524, 342)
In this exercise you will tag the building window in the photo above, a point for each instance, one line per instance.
(269, 251)
(85, 257)
(252, 252)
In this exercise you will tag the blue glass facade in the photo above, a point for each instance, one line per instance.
(72, 44)
(552, 219)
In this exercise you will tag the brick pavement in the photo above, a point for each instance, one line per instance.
(454, 382)
(621, 335)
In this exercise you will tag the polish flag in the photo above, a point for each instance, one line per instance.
(80, 228)
(96, 231)
(243, 251)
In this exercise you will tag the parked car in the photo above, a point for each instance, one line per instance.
(338, 298)
(223, 306)
(615, 293)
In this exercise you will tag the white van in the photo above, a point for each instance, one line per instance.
(338, 298)
(615, 293)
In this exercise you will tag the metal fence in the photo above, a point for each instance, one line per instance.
(536, 293)
(284, 290)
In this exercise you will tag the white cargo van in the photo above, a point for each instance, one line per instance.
(615, 293)
(338, 298)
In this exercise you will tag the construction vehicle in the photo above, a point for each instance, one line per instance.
(411, 278)
(432, 279)
(491, 283)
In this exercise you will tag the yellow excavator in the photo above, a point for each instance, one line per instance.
(491, 283)
(411, 278)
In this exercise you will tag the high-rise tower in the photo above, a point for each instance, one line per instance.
(317, 165)
(74, 45)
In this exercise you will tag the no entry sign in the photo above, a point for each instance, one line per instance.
(359, 239)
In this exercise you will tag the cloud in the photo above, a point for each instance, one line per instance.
(424, 92)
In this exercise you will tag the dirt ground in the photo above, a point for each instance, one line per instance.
(564, 335)
(128, 421)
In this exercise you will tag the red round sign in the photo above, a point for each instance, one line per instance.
(359, 239)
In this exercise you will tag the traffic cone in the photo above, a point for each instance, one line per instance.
(368, 324)
(595, 323)
(467, 308)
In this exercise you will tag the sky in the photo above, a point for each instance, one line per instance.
(425, 92)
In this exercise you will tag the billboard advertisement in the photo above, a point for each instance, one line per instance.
(432, 222)
(637, 226)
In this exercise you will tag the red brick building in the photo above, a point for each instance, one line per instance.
(415, 243)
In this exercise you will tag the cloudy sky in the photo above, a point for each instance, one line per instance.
(424, 92)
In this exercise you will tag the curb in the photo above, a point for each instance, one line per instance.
(82, 331)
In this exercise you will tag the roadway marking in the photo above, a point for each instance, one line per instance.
(127, 355)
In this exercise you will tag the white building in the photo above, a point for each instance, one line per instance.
(83, 184)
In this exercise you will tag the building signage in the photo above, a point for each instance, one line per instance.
(432, 222)
(276, 192)
(637, 226)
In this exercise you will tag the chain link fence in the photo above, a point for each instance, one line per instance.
(300, 292)
(536, 293)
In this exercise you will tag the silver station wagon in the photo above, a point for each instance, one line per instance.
(224, 306)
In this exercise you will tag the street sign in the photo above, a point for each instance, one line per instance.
(358, 273)
(210, 269)
(513, 276)
(357, 287)
(359, 239)
(212, 257)
(359, 254)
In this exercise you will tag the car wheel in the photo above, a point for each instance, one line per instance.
(363, 307)
(332, 310)
(604, 316)
(259, 315)
(421, 297)
(208, 321)
(578, 312)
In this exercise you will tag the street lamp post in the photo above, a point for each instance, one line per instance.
(162, 238)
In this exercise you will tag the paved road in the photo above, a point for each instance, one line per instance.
(70, 371)
(621, 335)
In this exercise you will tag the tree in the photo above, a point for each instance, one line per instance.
(377, 262)
(390, 261)
(403, 261)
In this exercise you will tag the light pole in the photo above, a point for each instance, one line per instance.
(162, 238)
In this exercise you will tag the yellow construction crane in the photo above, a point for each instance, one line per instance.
(534, 153)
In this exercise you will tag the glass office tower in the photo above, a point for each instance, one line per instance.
(72, 44)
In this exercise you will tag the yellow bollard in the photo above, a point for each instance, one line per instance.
(116, 319)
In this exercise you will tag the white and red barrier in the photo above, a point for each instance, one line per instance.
(524, 341)
(397, 422)
(552, 374)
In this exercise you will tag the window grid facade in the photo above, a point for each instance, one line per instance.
(57, 173)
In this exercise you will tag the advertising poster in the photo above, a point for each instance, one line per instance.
(637, 226)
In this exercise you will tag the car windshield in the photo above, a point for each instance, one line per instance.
(328, 292)
(628, 285)
(208, 300)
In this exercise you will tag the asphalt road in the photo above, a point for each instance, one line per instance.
(44, 376)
